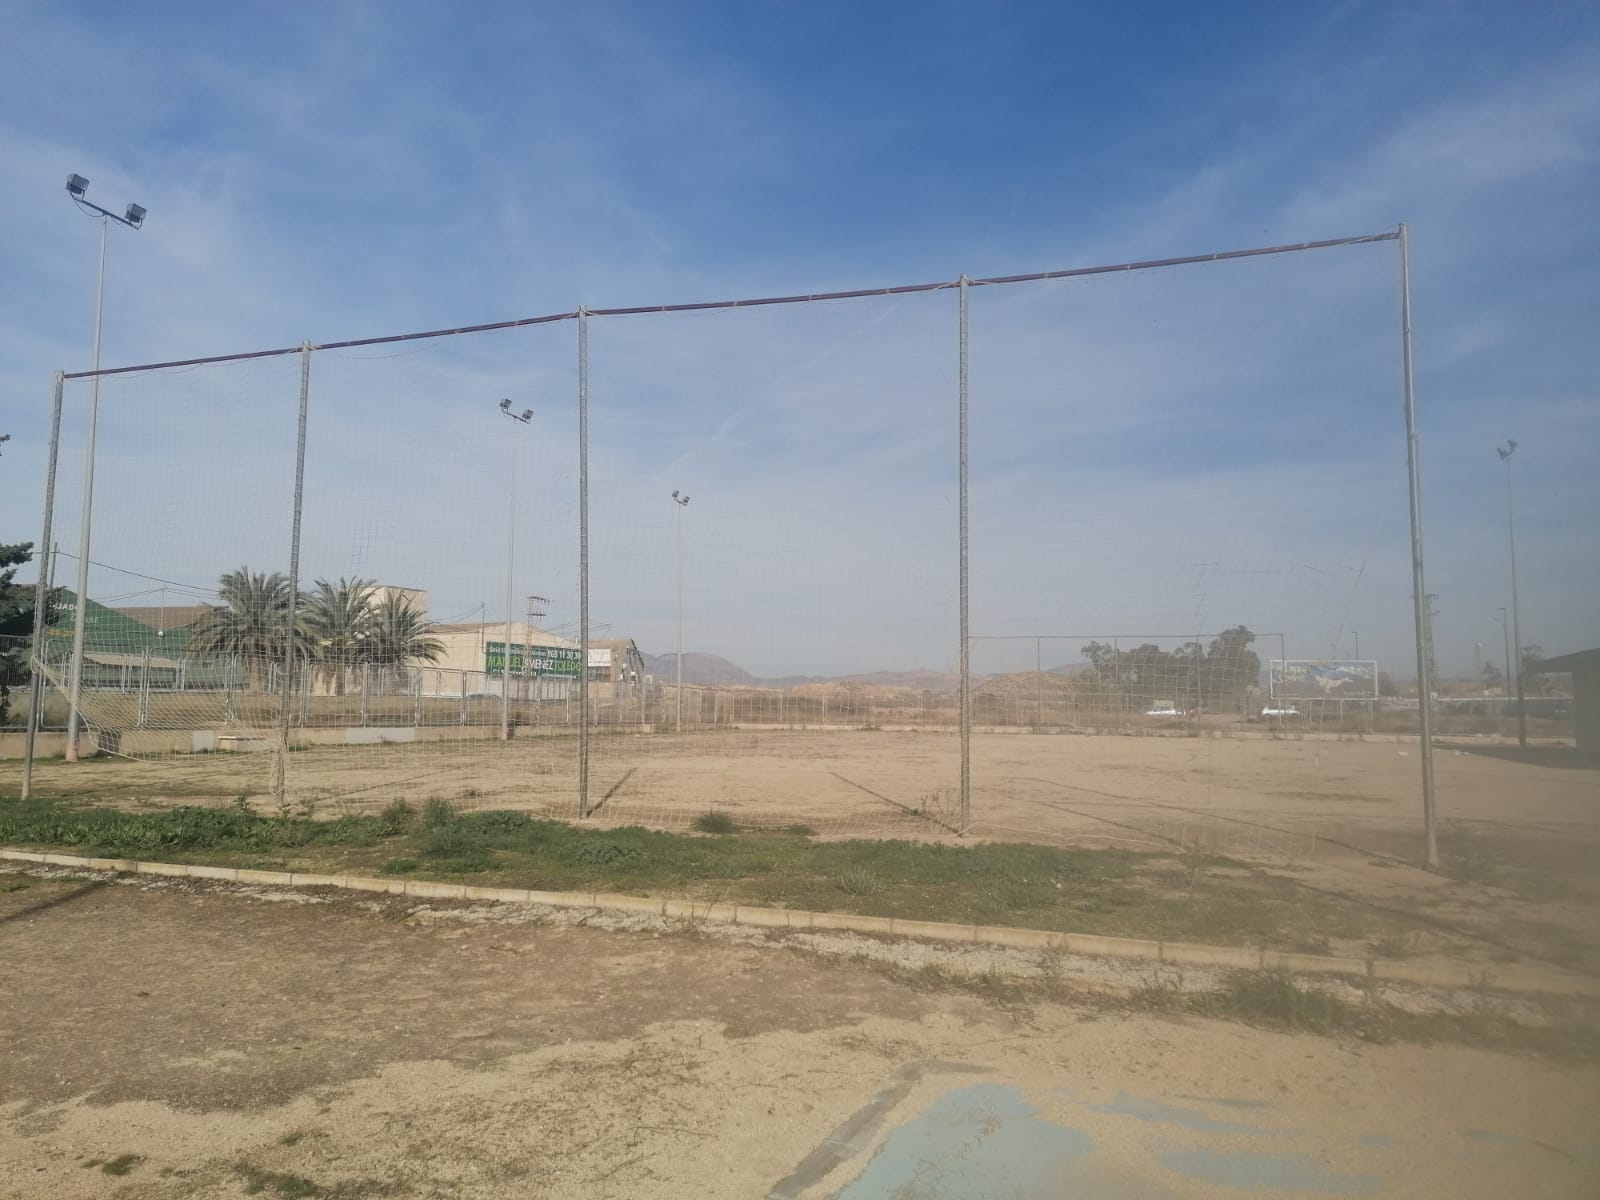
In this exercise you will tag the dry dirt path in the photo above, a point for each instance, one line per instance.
(212, 1041)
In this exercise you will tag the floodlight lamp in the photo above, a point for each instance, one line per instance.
(674, 494)
(134, 216)
(505, 406)
(527, 415)
(77, 185)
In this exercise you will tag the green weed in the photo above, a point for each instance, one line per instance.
(715, 821)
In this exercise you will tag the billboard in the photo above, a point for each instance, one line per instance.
(1321, 678)
(541, 661)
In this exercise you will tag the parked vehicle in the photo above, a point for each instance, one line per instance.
(1278, 711)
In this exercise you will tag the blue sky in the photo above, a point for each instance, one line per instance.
(1152, 453)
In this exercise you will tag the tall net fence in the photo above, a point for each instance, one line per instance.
(631, 567)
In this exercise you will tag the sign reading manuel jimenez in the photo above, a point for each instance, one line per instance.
(532, 660)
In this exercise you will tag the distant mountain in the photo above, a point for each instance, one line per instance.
(713, 669)
(697, 668)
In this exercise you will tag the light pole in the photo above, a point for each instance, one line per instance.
(1505, 452)
(1505, 684)
(522, 418)
(682, 502)
(133, 218)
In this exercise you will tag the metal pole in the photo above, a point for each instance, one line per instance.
(1505, 684)
(41, 594)
(280, 781)
(583, 561)
(1419, 591)
(1516, 623)
(1038, 681)
(81, 604)
(678, 653)
(965, 823)
(511, 567)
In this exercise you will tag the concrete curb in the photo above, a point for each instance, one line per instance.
(1454, 974)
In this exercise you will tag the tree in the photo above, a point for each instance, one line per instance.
(1216, 674)
(339, 623)
(1231, 668)
(399, 635)
(252, 623)
(1528, 664)
(1493, 676)
(16, 622)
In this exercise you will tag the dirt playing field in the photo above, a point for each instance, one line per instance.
(1289, 799)
(170, 1041)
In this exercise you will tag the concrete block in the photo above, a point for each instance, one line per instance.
(1312, 964)
(881, 926)
(937, 931)
(765, 918)
(1017, 939)
(557, 899)
(494, 895)
(363, 883)
(267, 878)
(1110, 947)
(616, 902)
(176, 870)
(435, 891)
(199, 872)
(124, 865)
(1445, 975)
(22, 856)
(1551, 983)
(377, 735)
(685, 910)
(296, 879)
(66, 860)
(1196, 954)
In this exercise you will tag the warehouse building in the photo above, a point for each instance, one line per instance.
(1584, 666)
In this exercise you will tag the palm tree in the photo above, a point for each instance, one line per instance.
(399, 635)
(251, 623)
(339, 620)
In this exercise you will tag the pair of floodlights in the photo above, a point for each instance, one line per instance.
(77, 185)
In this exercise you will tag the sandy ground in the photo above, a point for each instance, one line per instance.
(374, 1049)
(1521, 830)
(1278, 795)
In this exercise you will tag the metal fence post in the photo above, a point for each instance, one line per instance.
(41, 595)
(965, 822)
(1419, 591)
(583, 561)
(280, 772)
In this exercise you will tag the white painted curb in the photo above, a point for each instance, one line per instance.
(1433, 975)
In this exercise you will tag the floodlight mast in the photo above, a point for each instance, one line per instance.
(522, 418)
(682, 502)
(133, 218)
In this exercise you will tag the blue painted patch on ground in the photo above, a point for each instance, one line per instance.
(1250, 1171)
(1378, 1141)
(971, 1144)
(1169, 1114)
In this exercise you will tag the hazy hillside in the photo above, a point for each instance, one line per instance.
(713, 669)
